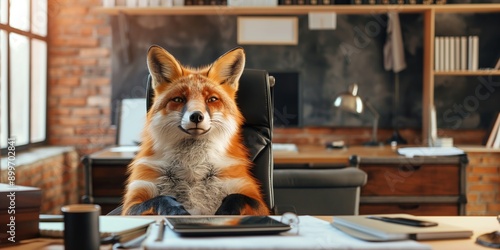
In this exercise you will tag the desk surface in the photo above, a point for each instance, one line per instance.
(309, 154)
(479, 225)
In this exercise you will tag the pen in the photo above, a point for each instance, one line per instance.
(135, 242)
(161, 230)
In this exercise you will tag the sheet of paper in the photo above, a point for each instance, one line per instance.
(285, 147)
(125, 149)
(430, 151)
(313, 233)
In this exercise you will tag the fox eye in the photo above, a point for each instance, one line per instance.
(212, 99)
(177, 99)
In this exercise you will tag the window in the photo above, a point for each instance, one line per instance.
(23, 72)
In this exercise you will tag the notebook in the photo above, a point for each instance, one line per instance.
(126, 227)
(362, 227)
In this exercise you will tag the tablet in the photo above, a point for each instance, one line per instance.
(226, 225)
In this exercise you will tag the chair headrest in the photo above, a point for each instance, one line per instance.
(254, 98)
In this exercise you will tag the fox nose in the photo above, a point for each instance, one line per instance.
(196, 117)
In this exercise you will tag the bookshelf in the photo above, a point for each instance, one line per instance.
(429, 73)
(429, 13)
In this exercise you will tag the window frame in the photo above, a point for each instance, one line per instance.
(8, 29)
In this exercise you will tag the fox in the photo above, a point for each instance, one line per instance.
(192, 160)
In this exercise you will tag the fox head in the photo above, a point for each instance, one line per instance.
(194, 103)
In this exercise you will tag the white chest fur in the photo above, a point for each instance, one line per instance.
(191, 173)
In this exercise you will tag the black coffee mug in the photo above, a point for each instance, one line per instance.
(81, 227)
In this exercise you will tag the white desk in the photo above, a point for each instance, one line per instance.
(479, 224)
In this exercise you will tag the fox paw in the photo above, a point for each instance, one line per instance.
(237, 204)
(160, 205)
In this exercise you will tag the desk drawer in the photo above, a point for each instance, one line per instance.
(423, 209)
(425, 180)
(108, 180)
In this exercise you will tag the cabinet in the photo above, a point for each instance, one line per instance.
(428, 12)
(418, 186)
(105, 178)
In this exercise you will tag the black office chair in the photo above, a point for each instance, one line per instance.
(254, 101)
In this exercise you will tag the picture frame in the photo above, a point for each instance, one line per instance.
(267, 30)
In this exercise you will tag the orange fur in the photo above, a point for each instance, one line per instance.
(177, 89)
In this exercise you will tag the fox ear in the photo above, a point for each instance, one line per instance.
(163, 67)
(228, 68)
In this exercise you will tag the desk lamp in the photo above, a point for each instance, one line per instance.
(351, 102)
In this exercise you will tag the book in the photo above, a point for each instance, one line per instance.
(463, 53)
(475, 53)
(125, 227)
(433, 125)
(441, 53)
(469, 53)
(362, 227)
(493, 135)
(452, 53)
(457, 52)
(437, 51)
(496, 143)
(446, 53)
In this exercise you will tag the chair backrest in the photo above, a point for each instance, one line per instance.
(254, 101)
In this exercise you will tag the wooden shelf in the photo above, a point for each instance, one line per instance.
(298, 10)
(468, 73)
(466, 8)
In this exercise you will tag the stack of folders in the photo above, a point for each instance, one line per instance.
(370, 229)
(456, 53)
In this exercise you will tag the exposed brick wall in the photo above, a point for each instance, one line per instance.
(483, 184)
(56, 176)
(79, 76)
(80, 104)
